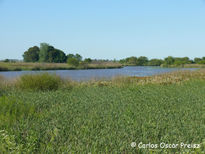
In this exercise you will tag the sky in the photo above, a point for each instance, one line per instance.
(104, 29)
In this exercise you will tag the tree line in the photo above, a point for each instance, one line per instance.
(49, 54)
(168, 61)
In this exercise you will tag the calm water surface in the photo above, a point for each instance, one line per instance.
(80, 75)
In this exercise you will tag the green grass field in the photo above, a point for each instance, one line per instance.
(104, 116)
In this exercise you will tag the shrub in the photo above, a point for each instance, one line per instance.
(44, 82)
(6, 60)
(3, 68)
(88, 60)
(73, 62)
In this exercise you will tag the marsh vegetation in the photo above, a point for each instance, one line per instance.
(20, 66)
(58, 115)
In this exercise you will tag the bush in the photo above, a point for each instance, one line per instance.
(73, 62)
(88, 60)
(6, 60)
(42, 82)
(3, 68)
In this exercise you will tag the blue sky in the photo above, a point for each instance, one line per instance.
(104, 29)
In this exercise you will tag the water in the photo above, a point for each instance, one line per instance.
(80, 75)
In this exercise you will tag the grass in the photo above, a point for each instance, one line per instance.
(43, 82)
(106, 116)
(184, 66)
(12, 110)
(194, 66)
(20, 66)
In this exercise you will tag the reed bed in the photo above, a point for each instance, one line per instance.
(194, 65)
(46, 81)
(1, 78)
(166, 78)
(19, 66)
(106, 116)
(106, 65)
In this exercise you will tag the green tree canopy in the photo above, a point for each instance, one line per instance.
(73, 62)
(182, 61)
(76, 56)
(169, 60)
(88, 60)
(155, 62)
(43, 54)
(197, 60)
(56, 56)
(142, 61)
(70, 56)
(50, 54)
(31, 55)
(131, 60)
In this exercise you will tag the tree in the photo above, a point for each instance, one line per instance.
(88, 60)
(62, 56)
(56, 56)
(31, 55)
(202, 62)
(197, 60)
(73, 62)
(50, 54)
(155, 62)
(74, 59)
(6, 60)
(131, 60)
(169, 60)
(70, 56)
(142, 61)
(43, 54)
(78, 57)
(122, 61)
(182, 61)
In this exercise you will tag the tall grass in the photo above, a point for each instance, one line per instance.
(102, 65)
(44, 82)
(12, 110)
(1, 78)
(194, 66)
(102, 116)
(15, 113)
(106, 119)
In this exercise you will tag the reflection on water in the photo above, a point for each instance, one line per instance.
(80, 75)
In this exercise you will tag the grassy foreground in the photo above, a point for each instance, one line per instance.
(102, 116)
(21, 66)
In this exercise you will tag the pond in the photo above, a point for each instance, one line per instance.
(84, 75)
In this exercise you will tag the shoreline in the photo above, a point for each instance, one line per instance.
(21, 66)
